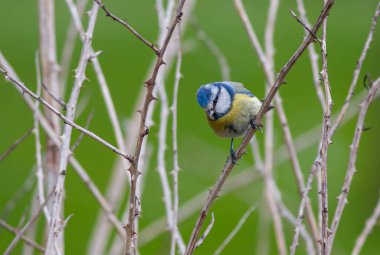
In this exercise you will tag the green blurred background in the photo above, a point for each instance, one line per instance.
(202, 154)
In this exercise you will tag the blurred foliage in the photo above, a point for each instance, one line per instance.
(202, 154)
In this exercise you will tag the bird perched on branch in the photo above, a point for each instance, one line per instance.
(230, 109)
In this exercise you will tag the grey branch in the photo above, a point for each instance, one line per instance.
(351, 169)
(369, 225)
(61, 116)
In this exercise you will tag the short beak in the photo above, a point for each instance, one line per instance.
(210, 114)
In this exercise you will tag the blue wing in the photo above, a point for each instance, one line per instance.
(239, 88)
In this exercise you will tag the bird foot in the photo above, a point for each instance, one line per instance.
(256, 126)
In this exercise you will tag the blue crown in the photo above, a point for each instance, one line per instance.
(203, 96)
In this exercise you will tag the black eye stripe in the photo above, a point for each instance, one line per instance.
(216, 98)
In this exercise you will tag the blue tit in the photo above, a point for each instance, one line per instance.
(230, 109)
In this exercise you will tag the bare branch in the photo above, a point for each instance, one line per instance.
(207, 231)
(325, 144)
(273, 196)
(16, 143)
(64, 118)
(351, 169)
(150, 84)
(39, 171)
(55, 98)
(214, 49)
(356, 73)
(300, 216)
(176, 168)
(80, 138)
(304, 26)
(76, 165)
(269, 72)
(66, 138)
(287, 214)
(69, 44)
(313, 56)
(127, 26)
(235, 230)
(28, 241)
(369, 225)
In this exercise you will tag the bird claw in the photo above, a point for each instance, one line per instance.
(256, 126)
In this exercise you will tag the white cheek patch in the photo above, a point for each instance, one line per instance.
(224, 102)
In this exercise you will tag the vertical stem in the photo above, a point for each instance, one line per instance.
(325, 143)
(65, 147)
(268, 164)
(175, 233)
(50, 69)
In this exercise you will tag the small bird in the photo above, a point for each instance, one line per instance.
(230, 109)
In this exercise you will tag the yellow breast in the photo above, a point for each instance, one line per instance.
(236, 122)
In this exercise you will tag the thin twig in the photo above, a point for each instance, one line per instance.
(190, 207)
(214, 49)
(207, 231)
(176, 167)
(235, 230)
(27, 240)
(18, 195)
(14, 242)
(69, 45)
(64, 118)
(369, 225)
(340, 118)
(313, 56)
(106, 207)
(127, 26)
(229, 165)
(143, 131)
(351, 169)
(325, 144)
(39, 171)
(80, 138)
(357, 70)
(16, 143)
(304, 26)
(66, 139)
(271, 196)
(50, 71)
(55, 98)
(117, 182)
(300, 216)
(310, 244)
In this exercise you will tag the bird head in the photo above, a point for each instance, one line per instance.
(216, 99)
